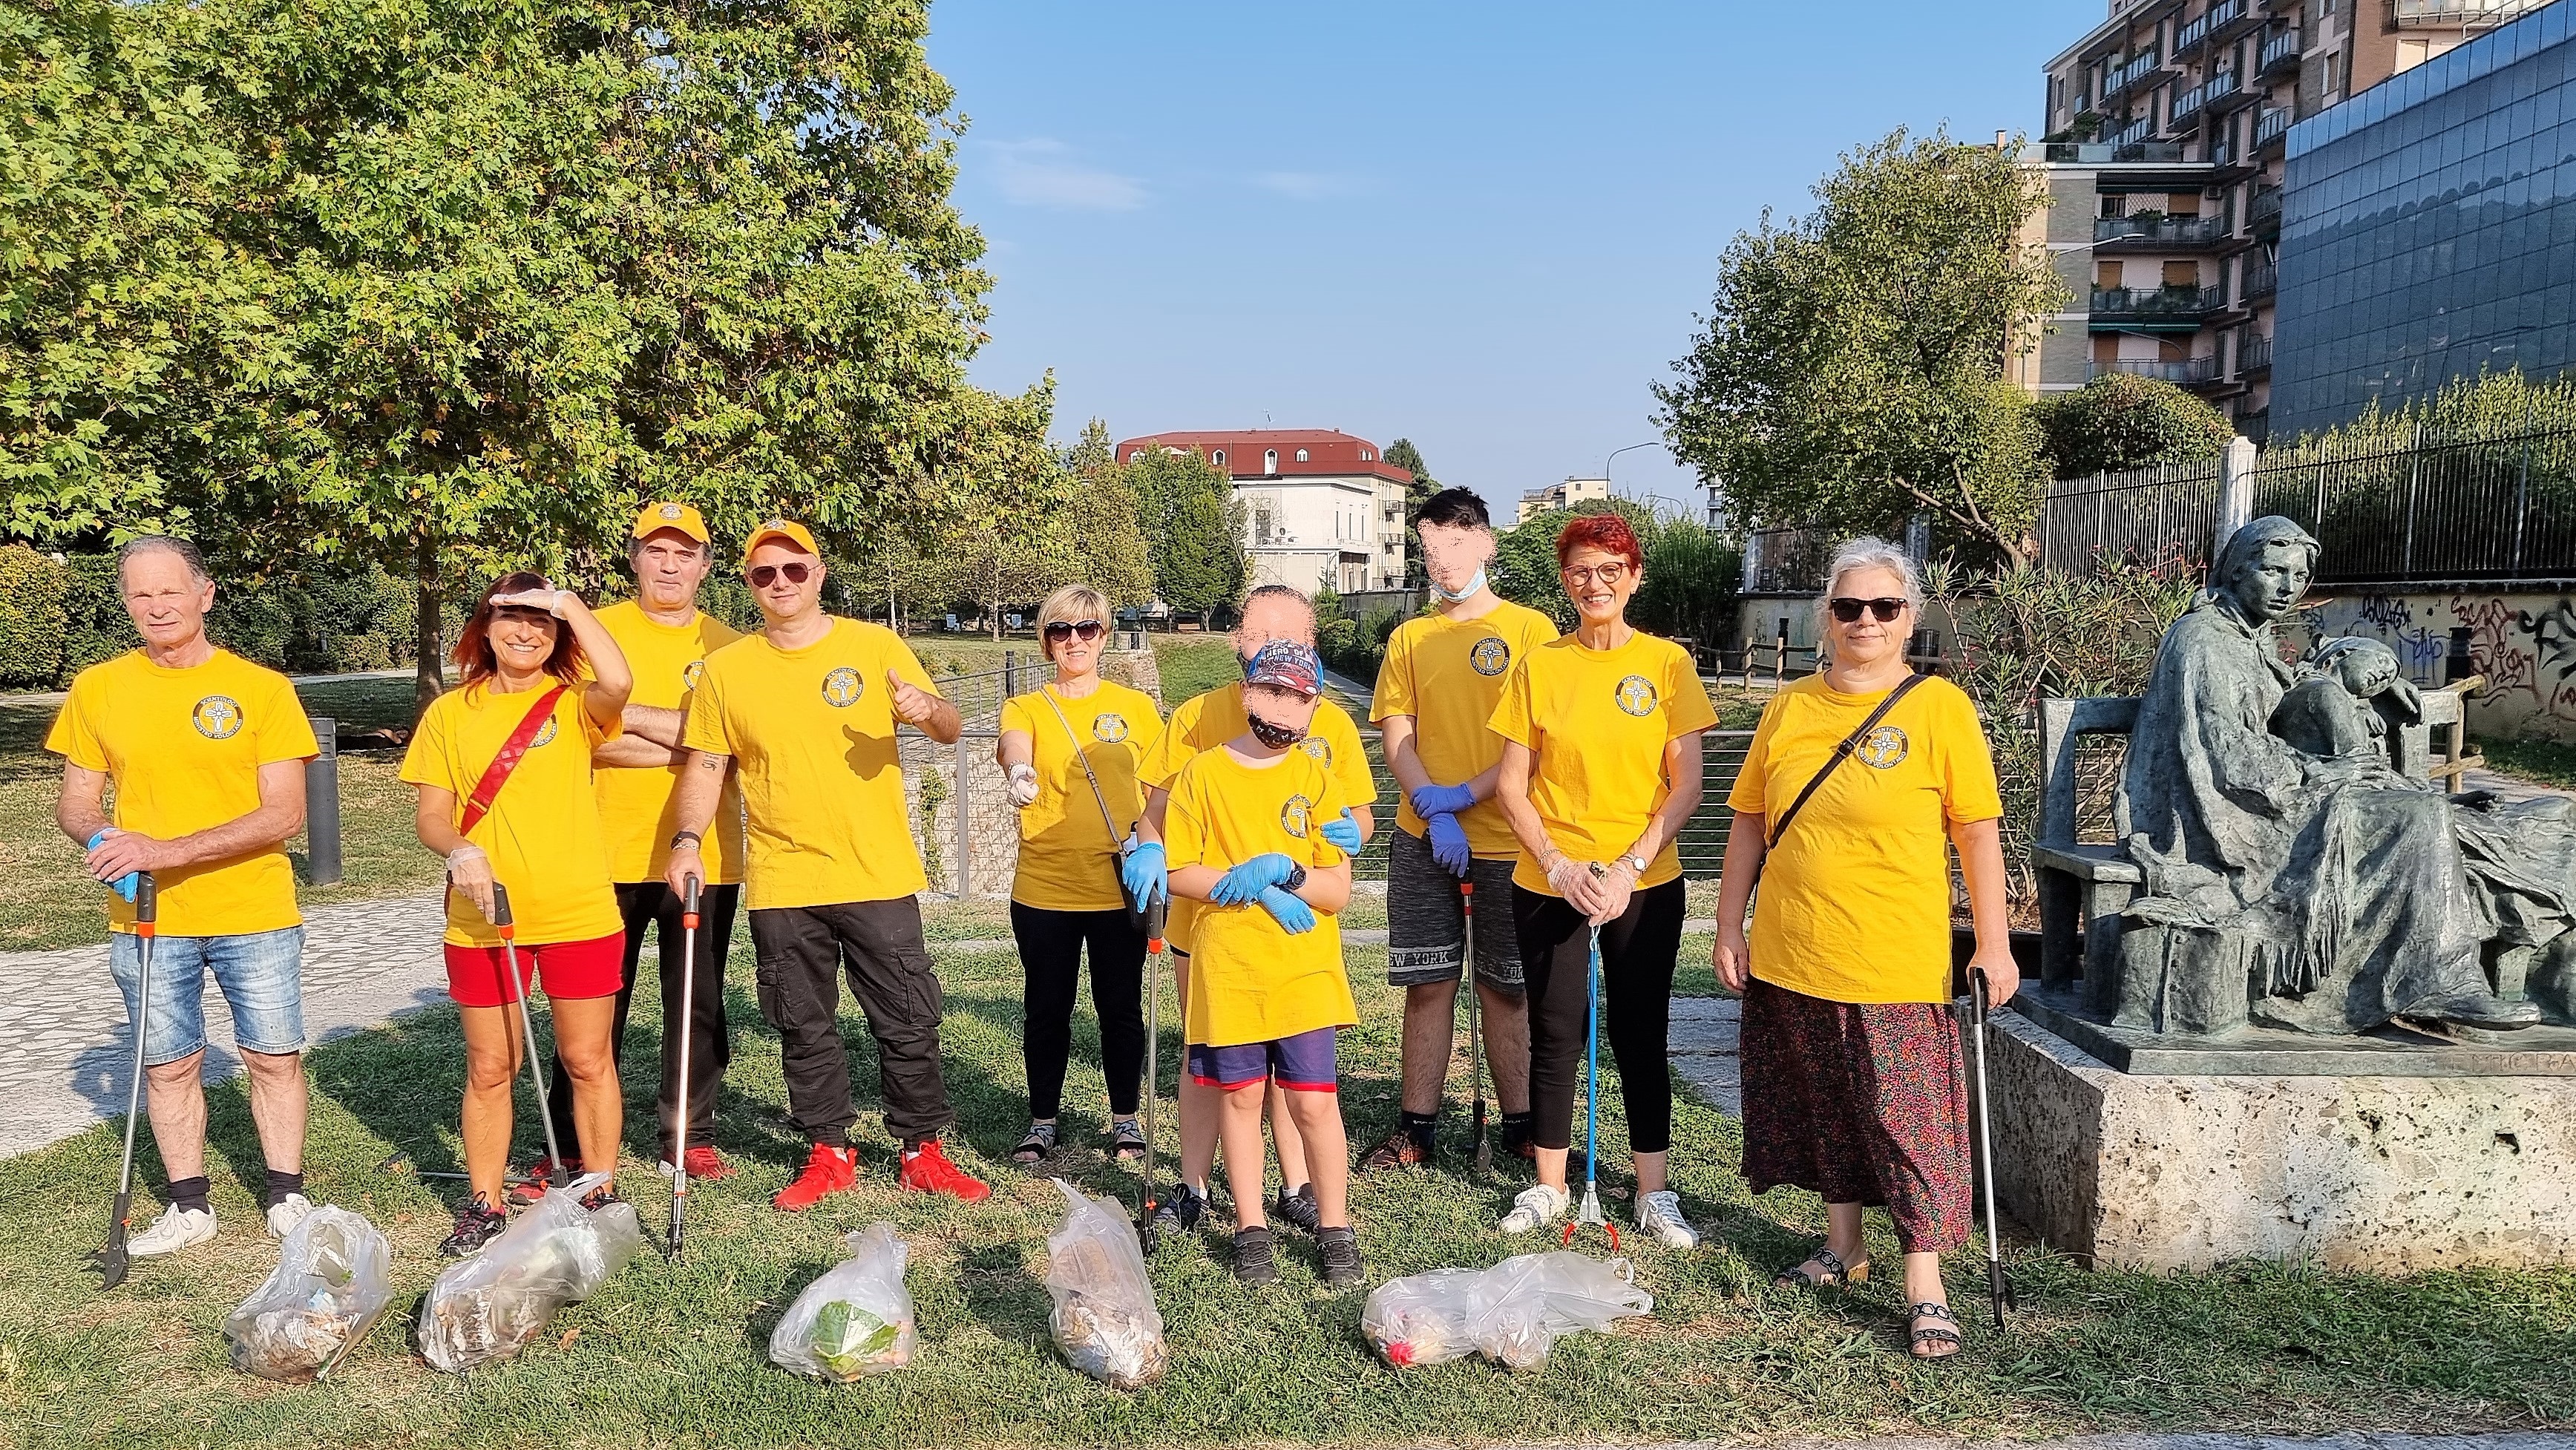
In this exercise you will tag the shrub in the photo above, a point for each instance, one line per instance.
(32, 621)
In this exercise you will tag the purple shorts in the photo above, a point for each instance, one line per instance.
(1303, 1063)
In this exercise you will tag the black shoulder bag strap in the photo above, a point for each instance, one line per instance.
(1842, 753)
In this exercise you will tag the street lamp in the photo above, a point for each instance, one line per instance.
(1631, 448)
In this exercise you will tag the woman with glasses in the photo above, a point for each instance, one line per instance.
(1071, 749)
(1853, 1085)
(1600, 768)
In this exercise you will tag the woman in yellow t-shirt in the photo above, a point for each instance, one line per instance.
(1071, 750)
(1853, 1086)
(541, 839)
(1601, 766)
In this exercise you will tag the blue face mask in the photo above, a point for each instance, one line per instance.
(1474, 587)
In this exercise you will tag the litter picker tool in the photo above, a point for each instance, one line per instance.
(1998, 1288)
(1475, 1047)
(688, 1020)
(109, 1260)
(1589, 1215)
(502, 922)
(1155, 913)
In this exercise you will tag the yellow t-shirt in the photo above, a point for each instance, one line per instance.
(811, 733)
(1250, 979)
(1854, 904)
(1448, 675)
(543, 832)
(1068, 858)
(1599, 720)
(635, 802)
(183, 749)
(1207, 721)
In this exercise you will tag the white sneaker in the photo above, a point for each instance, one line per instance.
(177, 1228)
(1659, 1217)
(286, 1213)
(1536, 1208)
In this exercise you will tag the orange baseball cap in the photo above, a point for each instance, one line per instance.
(786, 531)
(667, 515)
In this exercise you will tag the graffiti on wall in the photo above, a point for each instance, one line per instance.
(2524, 644)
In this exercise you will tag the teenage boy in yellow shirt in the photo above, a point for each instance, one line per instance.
(1244, 834)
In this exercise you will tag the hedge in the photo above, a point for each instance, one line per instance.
(61, 614)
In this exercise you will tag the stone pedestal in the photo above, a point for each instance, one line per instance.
(2183, 1171)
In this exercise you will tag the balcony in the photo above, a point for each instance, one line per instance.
(2153, 231)
(2105, 153)
(2270, 125)
(2463, 14)
(2164, 303)
(2263, 214)
(2187, 372)
(2211, 22)
(2262, 279)
(2139, 67)
(2132, 134)
(2253, 354)
(2280, 54)
(2220, 92)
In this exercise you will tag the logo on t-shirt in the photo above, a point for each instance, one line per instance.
(1637, 695)
(545, 733)
(217, 717)
(1108, 727)
(1884, 748)
(1318, 747)
(842, 688)
(1490, 656)
(691, 673)
(1295, 814)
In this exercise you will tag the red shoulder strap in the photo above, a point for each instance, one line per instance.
(479, 804)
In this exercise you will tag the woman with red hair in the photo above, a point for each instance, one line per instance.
(1600, 768)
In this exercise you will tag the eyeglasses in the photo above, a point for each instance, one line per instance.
(1884, 610)
(1064, 629)
(767, 574)
(1606, 573)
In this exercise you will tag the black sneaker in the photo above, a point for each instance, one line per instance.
(599, 1198)
(1297, 1210)
(1341, 1251)
(1180, 1209)
(476, 1225)
(1252, 1261)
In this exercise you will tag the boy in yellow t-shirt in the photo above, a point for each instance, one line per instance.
(1267, 990)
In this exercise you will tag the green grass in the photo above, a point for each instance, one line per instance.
(1192, 665)
(676, 1355)
(2548, 762)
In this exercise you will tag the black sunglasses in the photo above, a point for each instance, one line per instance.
(796, 574)
(1063, 629)
(1848, 610)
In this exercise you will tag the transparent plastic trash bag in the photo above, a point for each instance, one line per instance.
(1511, 1313)
(1423, 1319)
(854, 1321)
(1104, 1318)
(490, 1306)
(334, 1276)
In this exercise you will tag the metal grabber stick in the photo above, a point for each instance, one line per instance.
(110, 1260)
(1475, 1046)
(1589, 1215)
(688, 1024)
(1154, 918)
(501, 921)
(1998, 1288)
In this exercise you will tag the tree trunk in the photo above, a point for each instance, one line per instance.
(428, 680)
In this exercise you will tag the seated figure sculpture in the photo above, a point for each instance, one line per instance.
(2292, 878)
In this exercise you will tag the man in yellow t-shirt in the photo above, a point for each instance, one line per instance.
(666, 639)
(1436, 693)
(806, 712)
(1244, 828)
(206, 751)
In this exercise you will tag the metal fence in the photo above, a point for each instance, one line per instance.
(2145, 514)
(1786, 561)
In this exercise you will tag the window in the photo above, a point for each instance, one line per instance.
(1220, 458)
(1301, 455)
(1270, 460)
(1136, 457)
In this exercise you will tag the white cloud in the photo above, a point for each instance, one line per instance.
(1044, 172)
(1304, 185)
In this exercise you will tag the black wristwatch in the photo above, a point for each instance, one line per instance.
(1296, 877)
(691, 837)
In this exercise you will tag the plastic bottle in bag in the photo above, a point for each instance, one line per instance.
(1104, 1318)
(1423, 1319)
(489, 1307)
(854, 1321)
(334, 1275)
(1511, 1313)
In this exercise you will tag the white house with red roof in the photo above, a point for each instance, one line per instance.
(1323, 507)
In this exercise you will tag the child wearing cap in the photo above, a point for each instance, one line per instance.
(1267, 990)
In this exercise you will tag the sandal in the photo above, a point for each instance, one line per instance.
(1037, 1147)
(1837, 1274)
(1933, 1334)
(1126, 1139)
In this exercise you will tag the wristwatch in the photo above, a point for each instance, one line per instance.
(1296, 877)
(1634, 863)
(690, 837)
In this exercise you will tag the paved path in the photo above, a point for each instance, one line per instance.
(2155, 1440)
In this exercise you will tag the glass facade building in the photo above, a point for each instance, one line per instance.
(2428, 228)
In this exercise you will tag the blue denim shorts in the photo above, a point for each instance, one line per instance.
(261, 975)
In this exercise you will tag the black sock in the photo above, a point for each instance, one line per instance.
(280, 1184)
(1421, 1127)
(1516, 1128)
(190, 1193)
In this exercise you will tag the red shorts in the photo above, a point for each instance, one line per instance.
(569, 970)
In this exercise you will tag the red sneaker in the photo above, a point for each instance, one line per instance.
(827, 1170)
(704, 1162)
(928, 1170)
(540, 1174)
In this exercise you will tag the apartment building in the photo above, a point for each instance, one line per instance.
(1560, 496)
(2166, 131)
(1322, 507)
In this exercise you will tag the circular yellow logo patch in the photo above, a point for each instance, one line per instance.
(545, 732)
(842, 687)
(217, 717)
(1637, 695)
(1296, 814)
(1318, 747)
(1490, 656)
(1108, 727)
(695, 671)
(1885, 747)
(670, 511)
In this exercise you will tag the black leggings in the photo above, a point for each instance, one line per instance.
(1051, 966)
(1637, 951)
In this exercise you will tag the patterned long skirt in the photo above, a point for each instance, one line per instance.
(1860, 1102)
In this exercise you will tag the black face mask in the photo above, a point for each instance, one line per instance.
(1277, 737)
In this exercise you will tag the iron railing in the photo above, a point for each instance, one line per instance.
(2139, 67)
(2146, 514)
(1785, 561)
(2185, 371)
(2134, 133)
(2262, 279)
(2280, 52)
(2263, 213)
(2253, 353)
(2164, 231)
(2157, 302)
(2465, 14)
(2271, 124)
(2217, 17)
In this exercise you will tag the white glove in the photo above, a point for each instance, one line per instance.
(1024, 785)
(552, 601)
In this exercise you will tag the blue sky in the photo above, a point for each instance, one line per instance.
(1485, 227)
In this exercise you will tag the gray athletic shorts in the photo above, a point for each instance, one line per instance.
(1425, 921)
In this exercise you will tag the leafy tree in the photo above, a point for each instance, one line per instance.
(1108, 542)
(2121, 421)
(1524, 569)
(1193, 527)
(1692, 574)
(1093, 454)
(1404, 455)
(1850, 370)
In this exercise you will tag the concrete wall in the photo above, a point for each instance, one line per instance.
(2524, 642)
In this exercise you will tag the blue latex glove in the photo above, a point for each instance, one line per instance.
(1343, 832)
(1245, 883)
(1441, 800)
(1449, 845)
(125, 885)
(1290, 909)
(1144, 877)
